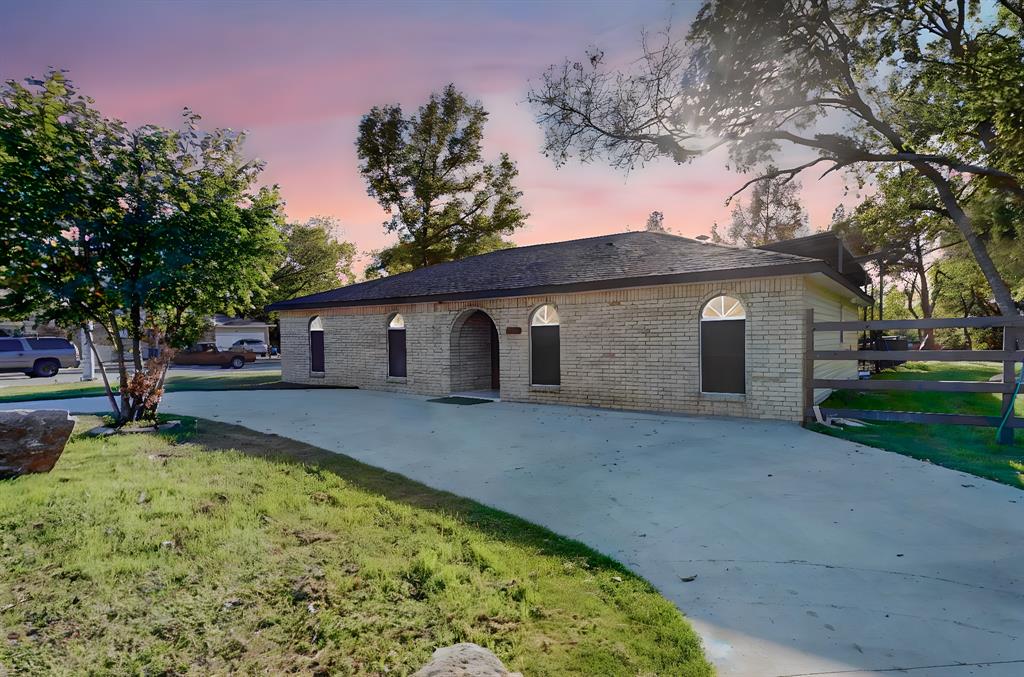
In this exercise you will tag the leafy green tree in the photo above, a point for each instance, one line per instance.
(314, 260)
(428, 172)
(774, 213)
(144, 232)
(960, 291)
(930, 86)
(1000, 220)
(903, 223)
(403, 257)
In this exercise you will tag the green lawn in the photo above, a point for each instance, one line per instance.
(215, 379)
(223, 550)
(970, 449)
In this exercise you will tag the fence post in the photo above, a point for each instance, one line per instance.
(808, 366)
(1009, 376)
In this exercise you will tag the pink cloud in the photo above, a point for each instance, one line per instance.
(298, 76)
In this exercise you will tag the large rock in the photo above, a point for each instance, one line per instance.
(464, 660)
(32, 441)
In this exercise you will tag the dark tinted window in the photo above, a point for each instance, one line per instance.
(316, 345)
(10, 345)
(49, 344)
(722, 358)
(545, 347)
(545, 368)
(396, 346)
(722, 346)
(396, 352)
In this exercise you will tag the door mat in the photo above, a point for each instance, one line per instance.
(460, 400)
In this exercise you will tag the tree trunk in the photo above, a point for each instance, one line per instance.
(122, 369)
(1001, 293)
(926, 301)
(103, 373)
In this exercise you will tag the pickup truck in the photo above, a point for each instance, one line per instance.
(40, 357)
(210, 354)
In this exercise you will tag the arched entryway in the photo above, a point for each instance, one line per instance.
(475, 362)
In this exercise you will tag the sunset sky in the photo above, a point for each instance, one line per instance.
(298, 76)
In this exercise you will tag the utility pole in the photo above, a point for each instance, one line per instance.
(88, 361)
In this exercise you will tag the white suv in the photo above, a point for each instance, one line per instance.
(38, 357)
(251, 345)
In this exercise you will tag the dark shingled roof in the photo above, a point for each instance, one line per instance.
(606, 262)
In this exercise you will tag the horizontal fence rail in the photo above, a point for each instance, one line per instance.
(919, 417)
(922, 355)
(916, 386)
(931, 323)
(1013, 326)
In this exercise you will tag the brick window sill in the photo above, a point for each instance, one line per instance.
(545, 389)
(317, 374)
(396, 379)
(724, 397)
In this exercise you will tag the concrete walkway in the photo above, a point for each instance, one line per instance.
(813, 556)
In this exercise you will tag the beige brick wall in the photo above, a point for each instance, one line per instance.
(630, 349)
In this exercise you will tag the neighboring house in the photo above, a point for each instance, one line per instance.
(639, 320)
(226, 330)
(30, 327)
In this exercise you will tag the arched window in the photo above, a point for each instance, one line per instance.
(396, 346)
(316, 345)
(723, 346)
(545, 349)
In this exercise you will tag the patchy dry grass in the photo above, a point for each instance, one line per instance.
(225, 550)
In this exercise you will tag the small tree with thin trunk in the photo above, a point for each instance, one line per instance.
(145, 232)
(774, 213)
(655, 223)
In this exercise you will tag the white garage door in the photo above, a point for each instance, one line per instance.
(226, 337)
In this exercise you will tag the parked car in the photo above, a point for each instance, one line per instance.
(210, 354)
(257, 346)
(37, 357)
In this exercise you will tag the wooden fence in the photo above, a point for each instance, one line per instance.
(1013, 327)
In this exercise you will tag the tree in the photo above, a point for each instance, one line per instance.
(930, 86)
(999, 219)
(428, 172)
(144, 232)
(960, 291)
(902, 223)
(773, 214)
(313, 260)
(403, 257)
(655, 223)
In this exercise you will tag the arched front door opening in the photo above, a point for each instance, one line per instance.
(475, 361)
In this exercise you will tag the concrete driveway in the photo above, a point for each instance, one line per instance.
(813, 556)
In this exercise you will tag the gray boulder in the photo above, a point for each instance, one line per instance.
(32, 441)
(464, 660)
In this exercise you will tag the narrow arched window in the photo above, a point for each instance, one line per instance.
(723, 346)
(316, 345)
(396, 346)
(545, 347)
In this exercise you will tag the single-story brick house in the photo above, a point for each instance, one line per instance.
(636, 320)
